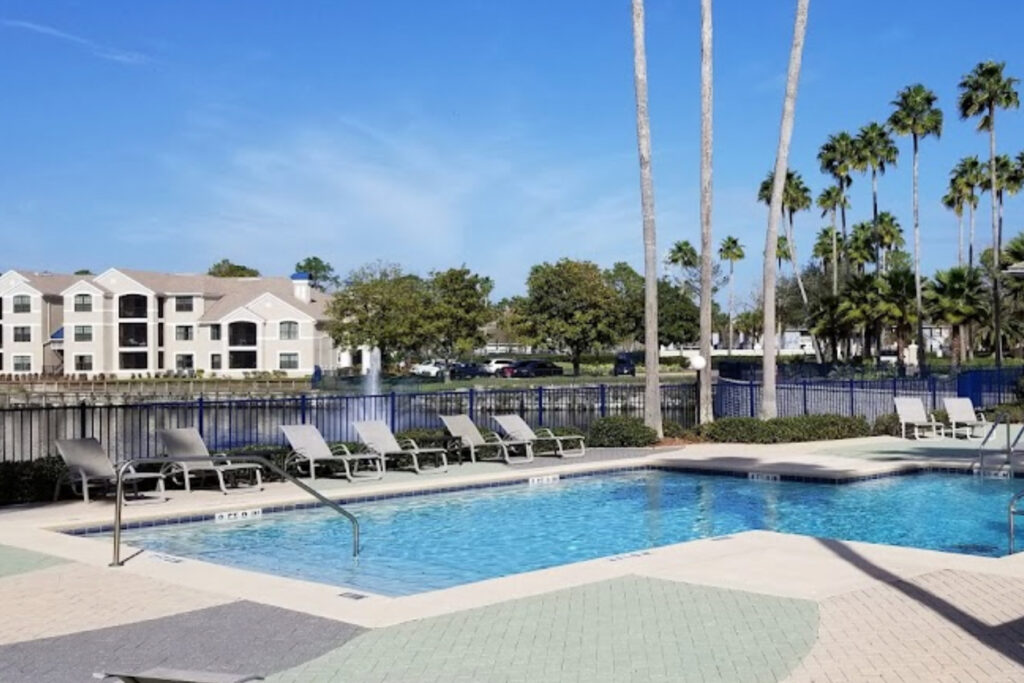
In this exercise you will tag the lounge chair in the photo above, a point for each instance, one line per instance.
(516, 428)
(187, 442)
(912, 414)
(88, 464)
(378, 437)
(309, 447)
(963, 417)
(462, 428)
(162, 675)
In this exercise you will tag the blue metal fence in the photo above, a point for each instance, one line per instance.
(130, 430)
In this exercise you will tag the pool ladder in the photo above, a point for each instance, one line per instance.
(1004, 468)
(1011, 513)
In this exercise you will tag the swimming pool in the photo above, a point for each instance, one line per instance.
(422, 543)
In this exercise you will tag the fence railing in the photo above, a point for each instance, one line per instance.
(129, 431)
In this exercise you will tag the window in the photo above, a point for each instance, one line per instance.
(132, 334)
(289, 330)
(242, 334)
(183, 304)
(160, 334)
(133, 360)
(132, 306)
(215, 361)
(289, 361)
(83, 363)
(83, 303)
(159, 360)
(83, 333)
(160, 301)
(214, 332)
(22, 304)
(183, 333)
(22, 334)
(22, 364)
(242, 360)
(184, 361)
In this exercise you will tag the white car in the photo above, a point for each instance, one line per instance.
(428, 368)
(495, 365)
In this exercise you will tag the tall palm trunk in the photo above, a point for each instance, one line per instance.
(970, 242)
(874, 219)
(917, 271)
(706, 129)
(732, 266)
(769, 407)
(960, 238)
(794, 261)
(997, 306)
(652, 386)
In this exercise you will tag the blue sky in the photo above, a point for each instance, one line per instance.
(171, 135)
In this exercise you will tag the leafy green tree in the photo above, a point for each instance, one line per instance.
(982, 91)
(458, 308)
(225, 268)
(955, 297)
(629, 293)
(84, 271)
(898, 308)
(732, 251)
(380, 305)
(321, 274)
(569, 305)
(917, 116)
(679, 317)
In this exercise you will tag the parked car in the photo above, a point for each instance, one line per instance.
(467, 370)
(624, 365)
(533, 368)
(428, 368)
(496, 365)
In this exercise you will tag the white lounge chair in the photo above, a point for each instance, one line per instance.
(912, 414)
(516, 428)
(963, 417)
(88, 464)
(378, 437)
(462, 428)
(186, 442)
(309, 447)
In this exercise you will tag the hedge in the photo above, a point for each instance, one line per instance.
(785, 429)
(621, 432)
(30, 481)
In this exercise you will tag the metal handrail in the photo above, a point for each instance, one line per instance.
(260, 460)
(1011, 512)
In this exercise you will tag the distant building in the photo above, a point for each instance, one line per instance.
(130, 322)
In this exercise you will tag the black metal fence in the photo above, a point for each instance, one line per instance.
(129, 431)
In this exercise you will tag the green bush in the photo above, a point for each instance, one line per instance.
(674, 430)
(620, 431)
(785, 429)
(30, 481)
(425, 438)
(887, 425)
(1013, 411)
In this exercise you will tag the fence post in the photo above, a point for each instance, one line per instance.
(393, 411)
(472, 403)
(604, 400)
(199, 414)
(852, 404)
(931, 388)
(805, 397)
(81, 420)
(750, 384)
(302, 409)
(540, 406)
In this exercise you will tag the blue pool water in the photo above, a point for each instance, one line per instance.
(424, 543)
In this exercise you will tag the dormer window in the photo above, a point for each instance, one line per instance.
(83, 303)
(183, 304)
(22, 303)
(289, 330)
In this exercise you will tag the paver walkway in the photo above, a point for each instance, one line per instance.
(16, 561)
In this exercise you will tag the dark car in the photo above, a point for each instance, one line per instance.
(534, 368)
(624, 365)
(466, 370)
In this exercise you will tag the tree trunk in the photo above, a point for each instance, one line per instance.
(997, 305)
(576, 359)
(960, 238)
(769, 407)
(874, 219)
(835, 257)
(955, 347)
(921, 356)
(706, 138)
(794, 261)
(970, 243)
(732, 266)
(652, 386)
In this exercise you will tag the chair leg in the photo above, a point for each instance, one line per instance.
(85, 488)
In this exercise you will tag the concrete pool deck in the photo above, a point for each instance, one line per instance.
(752, 606)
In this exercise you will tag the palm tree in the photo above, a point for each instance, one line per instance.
(652, 385)
(732, 251)
(898, 308)
(888, 235)
(782, 250)
(955, 297)
(829, 323)
(838, 158)
(860, 306)
(795, 197)
(917, 116)
(831, 199)
(982, 91)
(955, 199)
(968, 175)
(769, 408)
(860, 250)
(706, 134)
(683, 255)
(822, 250)
(876, 151)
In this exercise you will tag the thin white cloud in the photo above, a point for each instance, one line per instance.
(96, 49)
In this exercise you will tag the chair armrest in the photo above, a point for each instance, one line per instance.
(491, 437)
(981, 417)
(408, 444)
(340, 448)
(545, 433)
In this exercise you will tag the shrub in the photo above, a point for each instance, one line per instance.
(887, 425)
(29, 481)
(674, 430)
(425, 438)
(785, 429)
(1013, 411)
(621, 431)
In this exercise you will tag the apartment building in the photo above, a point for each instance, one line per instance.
(130, 322)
